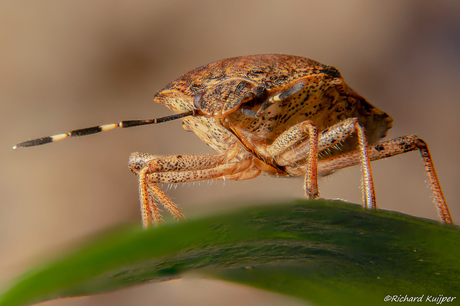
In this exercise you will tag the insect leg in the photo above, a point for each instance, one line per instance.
(248, 174)
(311, 175)
(152, 170)
(327, 139)
(147, 209)
(175, 177)
(157, 195)
(290, 138)
(391, 148)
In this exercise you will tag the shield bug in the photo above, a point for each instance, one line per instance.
(271, 114)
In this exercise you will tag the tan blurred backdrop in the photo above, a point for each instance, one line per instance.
(67, 65)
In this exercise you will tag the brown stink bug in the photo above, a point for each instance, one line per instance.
(272, 114)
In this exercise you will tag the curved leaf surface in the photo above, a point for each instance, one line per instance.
(325, 252)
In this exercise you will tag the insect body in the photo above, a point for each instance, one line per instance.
(273, 114)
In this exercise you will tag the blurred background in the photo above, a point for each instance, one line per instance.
(67, 65)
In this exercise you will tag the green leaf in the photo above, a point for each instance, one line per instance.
(325, 252)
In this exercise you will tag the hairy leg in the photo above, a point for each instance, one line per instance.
(307, 153)
(391, 148)
(168, 170)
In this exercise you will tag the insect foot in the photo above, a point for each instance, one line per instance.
(273, 114)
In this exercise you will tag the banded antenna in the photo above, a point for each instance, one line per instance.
(102, 128)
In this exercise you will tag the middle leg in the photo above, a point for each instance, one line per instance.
(289, 139)
(327, 139)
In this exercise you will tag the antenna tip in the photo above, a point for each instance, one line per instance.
(14, 147)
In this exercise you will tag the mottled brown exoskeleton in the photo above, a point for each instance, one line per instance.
(273, 114)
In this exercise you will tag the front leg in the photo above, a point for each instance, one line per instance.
(174, 169)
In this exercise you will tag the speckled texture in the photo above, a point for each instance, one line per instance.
(300, 89)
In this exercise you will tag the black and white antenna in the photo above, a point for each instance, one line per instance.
(102, 128)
